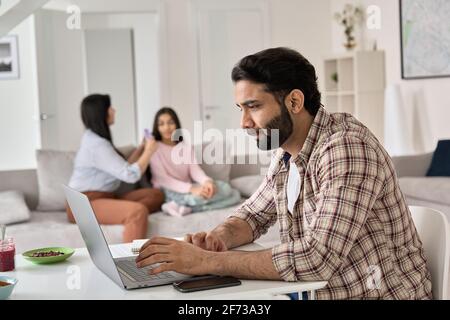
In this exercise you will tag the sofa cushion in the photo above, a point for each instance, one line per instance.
(440, 164)
(214, 158)
(24, 181)
(53, 169)
(435, 189)
(13, 208)
(217, 171)
(247, 185)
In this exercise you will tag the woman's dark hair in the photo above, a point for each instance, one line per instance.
(94, 114)
(173, 115)
(281, 70)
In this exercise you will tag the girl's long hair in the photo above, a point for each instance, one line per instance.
(157, 135)
(173, 115)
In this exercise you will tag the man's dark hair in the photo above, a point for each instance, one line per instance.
(281, 70)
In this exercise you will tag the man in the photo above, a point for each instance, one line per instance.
(332, 187)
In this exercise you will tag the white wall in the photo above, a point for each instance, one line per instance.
(19, 125)
(303, 25)
(300, 24)
(427, 102)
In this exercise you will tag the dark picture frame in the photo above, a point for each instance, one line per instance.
(407, 74)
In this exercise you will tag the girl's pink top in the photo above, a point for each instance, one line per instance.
(175, 168)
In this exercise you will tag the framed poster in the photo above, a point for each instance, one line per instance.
(9, 58)
(425, 38)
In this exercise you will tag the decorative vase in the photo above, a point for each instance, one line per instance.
(351, 43)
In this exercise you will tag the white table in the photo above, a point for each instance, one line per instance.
(78, 278)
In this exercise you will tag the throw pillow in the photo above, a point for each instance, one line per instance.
(53, 169)
(440, 164)
(247, 185)
(13, 208)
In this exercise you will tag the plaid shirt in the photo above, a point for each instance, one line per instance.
(350, 225)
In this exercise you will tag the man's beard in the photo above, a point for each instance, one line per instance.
(276, 132)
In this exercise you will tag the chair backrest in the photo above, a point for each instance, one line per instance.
(433, 230)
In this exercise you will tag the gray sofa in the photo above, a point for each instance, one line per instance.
(418, 189)
(50, 228)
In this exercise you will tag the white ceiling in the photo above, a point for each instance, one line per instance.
(13, 12)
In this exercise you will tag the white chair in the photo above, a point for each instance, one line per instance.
(433, 230)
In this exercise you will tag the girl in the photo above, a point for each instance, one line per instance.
(186, 187)
(99, 169)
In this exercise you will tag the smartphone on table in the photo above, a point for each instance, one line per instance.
(205, 283)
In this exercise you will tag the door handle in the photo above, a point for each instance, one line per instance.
(45, 116)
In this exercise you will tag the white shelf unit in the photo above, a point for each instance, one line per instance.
(359, 89)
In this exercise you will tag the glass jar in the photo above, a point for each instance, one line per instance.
(7, 253)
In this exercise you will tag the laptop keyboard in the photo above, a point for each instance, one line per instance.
(129, 268)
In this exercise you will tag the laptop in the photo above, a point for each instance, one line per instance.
(123, 271)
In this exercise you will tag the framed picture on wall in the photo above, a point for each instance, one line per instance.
(9, 58)
(425, 38)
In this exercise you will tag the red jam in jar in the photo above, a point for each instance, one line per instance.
(7, 252)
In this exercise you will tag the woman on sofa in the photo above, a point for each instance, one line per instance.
(99, 169)
(186, 186)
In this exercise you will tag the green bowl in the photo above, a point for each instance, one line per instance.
(47, 260)
(6, 291)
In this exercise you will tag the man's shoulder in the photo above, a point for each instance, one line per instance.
(346, 132)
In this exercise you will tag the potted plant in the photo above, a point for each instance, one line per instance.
(349, 18)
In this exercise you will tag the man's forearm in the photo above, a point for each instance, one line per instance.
(243, 265)
(234, 232)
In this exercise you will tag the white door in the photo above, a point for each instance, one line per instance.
(227, 31)
(64, 77)
(131, 71)
(110, 70)
(60, 80)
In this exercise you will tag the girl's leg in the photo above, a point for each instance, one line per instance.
(225, 196)
(176, 203)
(223, 192)
(151, 198)
(173, 209)
(108, 210)
(232, 199)
(92, 195)
(182, 199)
(133, 215)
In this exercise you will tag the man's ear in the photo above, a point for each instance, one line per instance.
(295, 101)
